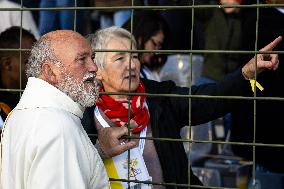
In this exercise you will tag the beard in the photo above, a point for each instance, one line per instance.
(84, 92)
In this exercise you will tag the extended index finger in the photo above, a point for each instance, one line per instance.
(273, 44)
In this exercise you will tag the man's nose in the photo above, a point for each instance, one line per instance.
(91, 66)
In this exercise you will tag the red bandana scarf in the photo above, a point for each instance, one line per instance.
(117, 111)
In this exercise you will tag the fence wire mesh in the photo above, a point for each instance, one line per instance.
(257, 5)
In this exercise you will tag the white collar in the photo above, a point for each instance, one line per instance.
(39, 93)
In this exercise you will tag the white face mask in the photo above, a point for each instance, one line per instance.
(84, 92)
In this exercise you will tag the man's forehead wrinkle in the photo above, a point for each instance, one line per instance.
(66, 44)
(63, 40)
(62, 37)
(58, 34)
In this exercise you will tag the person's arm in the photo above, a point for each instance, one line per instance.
(235, 84)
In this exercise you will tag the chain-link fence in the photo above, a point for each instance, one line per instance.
(214, 167)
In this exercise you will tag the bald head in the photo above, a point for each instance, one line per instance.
(62, 41)
(61, 35)
(50, 48)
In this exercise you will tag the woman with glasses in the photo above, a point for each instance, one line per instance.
(151, 33)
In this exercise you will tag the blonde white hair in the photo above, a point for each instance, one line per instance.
(100, 39)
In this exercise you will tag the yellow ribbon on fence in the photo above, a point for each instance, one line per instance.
(252, 82)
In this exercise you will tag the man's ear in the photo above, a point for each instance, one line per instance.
(99, 74)
(49, 73)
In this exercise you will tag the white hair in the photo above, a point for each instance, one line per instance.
(41, 52)
(101, 38)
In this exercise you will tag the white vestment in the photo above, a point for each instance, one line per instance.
(45, 145)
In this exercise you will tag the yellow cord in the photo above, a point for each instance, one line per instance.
(252, 82)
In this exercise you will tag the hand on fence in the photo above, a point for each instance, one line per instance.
(262, 61)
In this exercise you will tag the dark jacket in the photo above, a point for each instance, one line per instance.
(222, 31)
(169, 114)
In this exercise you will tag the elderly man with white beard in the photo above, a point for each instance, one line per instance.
(44, 144)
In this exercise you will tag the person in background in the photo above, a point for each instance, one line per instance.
(115, 17)
(222, 30)
(178, 65)
(151, 33)
(16, 18)
(162, 117)
(50, 20)
(30, 4)
(12, 67)
(185, 68)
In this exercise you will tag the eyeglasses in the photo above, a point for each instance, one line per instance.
(157, 45)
